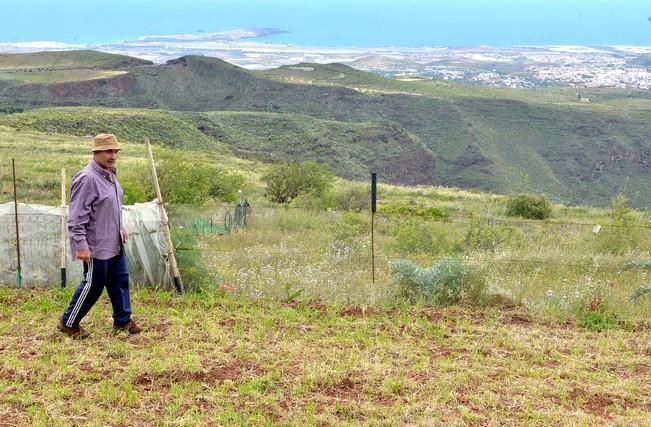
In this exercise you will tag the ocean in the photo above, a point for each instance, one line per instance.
(338, 23)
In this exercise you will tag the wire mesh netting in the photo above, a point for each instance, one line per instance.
(222, 220)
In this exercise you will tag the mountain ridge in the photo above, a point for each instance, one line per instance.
(494, 140)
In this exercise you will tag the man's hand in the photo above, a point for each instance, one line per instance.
(125, 235)
(84, 255)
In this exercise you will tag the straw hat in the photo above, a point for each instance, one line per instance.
(106, 141)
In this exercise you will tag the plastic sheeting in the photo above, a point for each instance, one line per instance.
(146, 248)
(39, 228)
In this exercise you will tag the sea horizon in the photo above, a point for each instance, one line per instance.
(361, 23)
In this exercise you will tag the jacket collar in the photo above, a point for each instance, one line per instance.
(101, 171)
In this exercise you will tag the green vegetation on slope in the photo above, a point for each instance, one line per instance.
(350, 149)
(170, 129)
(39, 158)
(58, 75)
(498, 140)
(76, 59)
(59, 67)
(326, 252)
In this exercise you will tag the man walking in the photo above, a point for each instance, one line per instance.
(97, 238)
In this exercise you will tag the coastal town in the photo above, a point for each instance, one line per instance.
(513, 67)
(526, 67)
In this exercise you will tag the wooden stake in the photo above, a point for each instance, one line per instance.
(19, 274)
(64, 228)
(165, 222)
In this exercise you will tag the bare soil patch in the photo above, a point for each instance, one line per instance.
(601, 404)
(212, 375)
(357, 311)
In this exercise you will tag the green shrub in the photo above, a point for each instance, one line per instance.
(313, 201)
(491, 237)
(639, 264)
(181, 180)
(195, 276)
(134, 192)
(620, 212)
(449, 281)
(593, 313)
(224, 185)
(287, 181)
(356, 198)
(639, 293)
(528, 206)
(621, 237)
(352, 225)
(187, 181)
(414, 235)
(412, 209)
(137, 184)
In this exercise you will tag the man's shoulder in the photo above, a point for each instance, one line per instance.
(84, 174)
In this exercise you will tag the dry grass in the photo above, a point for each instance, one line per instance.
(214, 359)
(552, 270)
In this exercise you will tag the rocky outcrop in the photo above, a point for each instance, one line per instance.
(622, 157)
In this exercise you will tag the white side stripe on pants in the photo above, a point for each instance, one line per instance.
(82, 296)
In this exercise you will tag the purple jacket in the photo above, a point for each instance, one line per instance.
(95, 212)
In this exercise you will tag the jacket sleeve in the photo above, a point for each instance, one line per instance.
(82, 196)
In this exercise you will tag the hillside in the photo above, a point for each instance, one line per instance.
(282, 323)
(492, 139)
(348, 148)
(69, 60)
(56, 67)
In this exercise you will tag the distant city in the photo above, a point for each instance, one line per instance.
(526, 67)
(513, 67)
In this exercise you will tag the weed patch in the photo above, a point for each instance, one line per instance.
(448, 282)
(594, 314)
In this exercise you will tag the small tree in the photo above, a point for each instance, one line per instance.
(287, 181)
(622, 236)
(182, 180)
(224, 185)
(620, 212)
(185, 182)
(529, 206)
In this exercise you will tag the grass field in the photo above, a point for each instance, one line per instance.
(287, 327)
(214, 359)
(70, 60)
(57, 76)
(326, 254)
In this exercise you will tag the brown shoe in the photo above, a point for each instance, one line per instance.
(130, 327)
(78, 333)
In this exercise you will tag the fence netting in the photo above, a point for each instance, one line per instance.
(44, 251)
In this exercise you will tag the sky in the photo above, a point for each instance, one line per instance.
(362, 23)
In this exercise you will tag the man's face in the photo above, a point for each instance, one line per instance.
(106, 159)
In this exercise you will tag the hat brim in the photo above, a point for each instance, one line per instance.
(95, 150)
